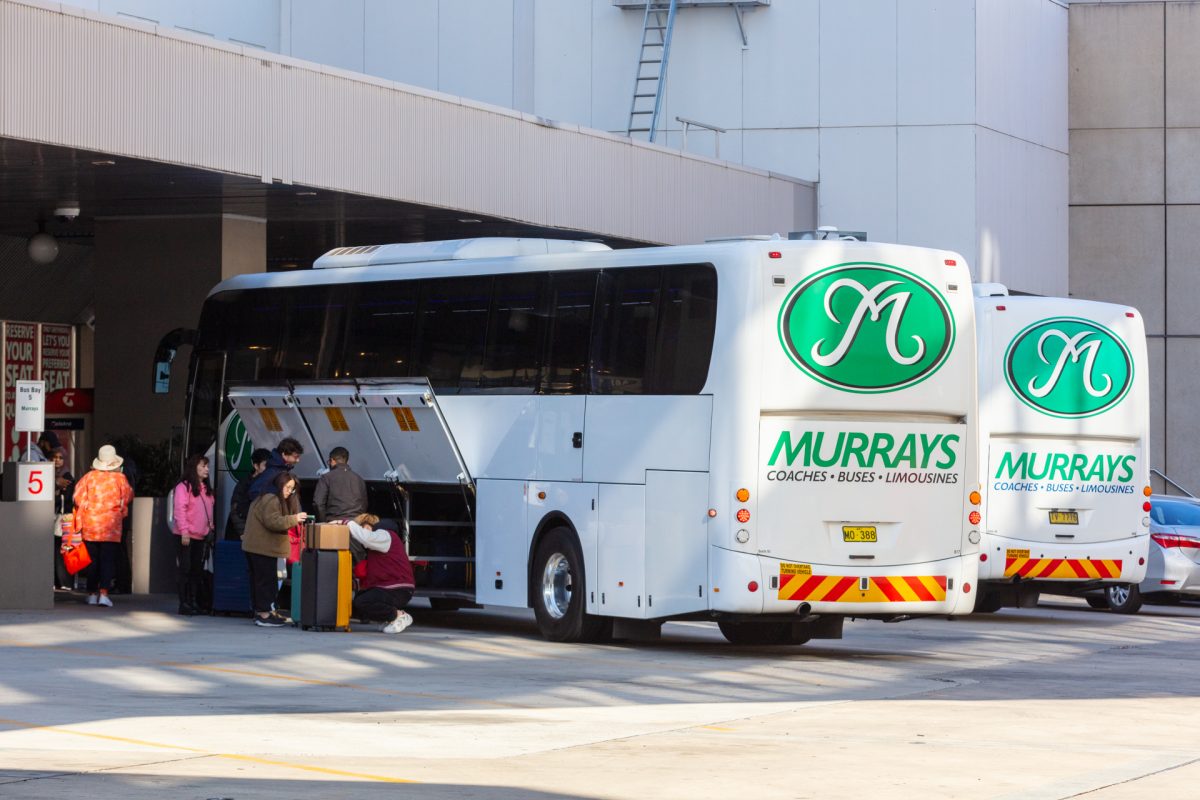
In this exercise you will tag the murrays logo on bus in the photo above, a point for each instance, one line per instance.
(238, 447)
(866, 327)
(1068, 367)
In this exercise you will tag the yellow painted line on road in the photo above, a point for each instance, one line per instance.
(79, 651)
(31, 726)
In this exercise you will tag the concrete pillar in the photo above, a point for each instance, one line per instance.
(152, 275)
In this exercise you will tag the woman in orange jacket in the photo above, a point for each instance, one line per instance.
(102, 499)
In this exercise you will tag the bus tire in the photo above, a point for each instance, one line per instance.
(759, 633)
(557, 585)
(1123, 598)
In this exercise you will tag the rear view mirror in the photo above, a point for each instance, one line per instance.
(164, 356)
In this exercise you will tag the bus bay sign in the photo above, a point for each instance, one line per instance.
(866, 328)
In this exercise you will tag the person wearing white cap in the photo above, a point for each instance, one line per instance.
(102, 500)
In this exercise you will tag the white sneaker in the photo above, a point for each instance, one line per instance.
(104, 601)
(397, 625)
(93, 599)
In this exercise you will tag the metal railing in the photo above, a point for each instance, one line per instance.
(1171, 482)
(691, 123)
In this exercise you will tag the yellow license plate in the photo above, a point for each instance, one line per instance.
(859, 533)
(1064, 517)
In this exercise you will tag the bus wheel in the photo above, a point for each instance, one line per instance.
(1123, 598)
(557, 587)
(764, 632)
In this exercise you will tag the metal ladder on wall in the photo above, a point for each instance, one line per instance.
(657, 27)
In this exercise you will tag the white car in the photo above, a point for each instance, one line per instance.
(1173, 570)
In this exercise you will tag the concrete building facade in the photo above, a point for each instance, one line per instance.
(925, 122)
(1135, 195)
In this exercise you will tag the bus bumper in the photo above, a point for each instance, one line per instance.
(932, 588)
(1015, 560)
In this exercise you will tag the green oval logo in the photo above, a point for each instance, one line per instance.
(866, 327)
(238, 447)
(1068, 367)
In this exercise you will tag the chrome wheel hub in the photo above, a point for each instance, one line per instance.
(556, 586)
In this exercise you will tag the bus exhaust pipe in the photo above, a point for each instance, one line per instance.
(803, 610)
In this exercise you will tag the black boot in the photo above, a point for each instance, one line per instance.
(187, 602)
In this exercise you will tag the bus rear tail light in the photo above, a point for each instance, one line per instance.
(983, 556)
(974, 517)
(743, 516)
(752, 586)
(1146, 506)
(1175, 540)
(774, 254)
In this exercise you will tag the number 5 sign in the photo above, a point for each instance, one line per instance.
(35, 481)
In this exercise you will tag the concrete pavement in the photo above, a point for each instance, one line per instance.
(1055, 702)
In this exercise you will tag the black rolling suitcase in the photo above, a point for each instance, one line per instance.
(325, 591)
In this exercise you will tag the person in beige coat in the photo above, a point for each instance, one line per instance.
(270, 518)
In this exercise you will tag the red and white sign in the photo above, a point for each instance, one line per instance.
(57, 357)
(20, 364)
(35, 481)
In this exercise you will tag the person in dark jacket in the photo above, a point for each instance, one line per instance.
(283, 458)
(341, 493)
(239, 505)
(386, 582)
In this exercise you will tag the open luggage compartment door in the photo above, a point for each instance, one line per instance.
(270, 414)
(337, 417)
(413, 432)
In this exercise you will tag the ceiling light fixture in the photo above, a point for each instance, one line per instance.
(306, 194)
(104, 162)
(42, 247)
(470, 219)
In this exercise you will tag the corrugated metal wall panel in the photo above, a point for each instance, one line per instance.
(80, 80)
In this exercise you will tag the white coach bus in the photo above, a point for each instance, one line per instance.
(1065, 427)
(771, 434)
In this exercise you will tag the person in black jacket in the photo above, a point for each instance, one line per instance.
(283, 458)
(341, 493)
(239, 505)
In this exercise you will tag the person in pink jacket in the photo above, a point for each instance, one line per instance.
(193, 522)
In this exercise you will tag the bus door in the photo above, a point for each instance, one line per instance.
(337, 417)
(270, 414)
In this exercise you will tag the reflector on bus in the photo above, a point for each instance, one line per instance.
(270, 414)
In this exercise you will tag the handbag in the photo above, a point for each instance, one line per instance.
(76, 558)
(295, 543)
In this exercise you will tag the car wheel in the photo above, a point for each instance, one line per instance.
(1099, 603)
(557, 586)
(1123, 598)
(764, 632)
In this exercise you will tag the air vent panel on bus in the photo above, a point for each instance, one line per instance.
(451, 250)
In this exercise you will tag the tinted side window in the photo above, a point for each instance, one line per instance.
(624, 343)
(248, 325)
(571, 296)
(381, 327)
(454, 314)
(311, 333)
(516, 327)
(687, 321)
